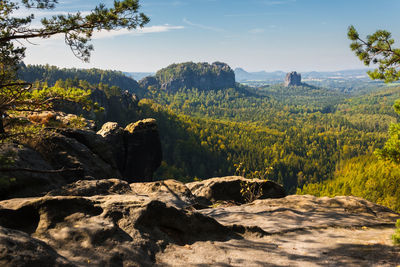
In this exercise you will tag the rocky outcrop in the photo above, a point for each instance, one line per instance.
(148, 81)
(61, 156)
(60, 118)
(114, 107)
(111, 223)
(130, 228)
(292, 79)
(171, 192)
(20, 183)
(230, 189)
(295, 231)
(93, 188)
(202, 76)
(76, 149)
(20, 249)
(137, 148)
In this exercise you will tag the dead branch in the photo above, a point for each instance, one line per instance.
(40, 171)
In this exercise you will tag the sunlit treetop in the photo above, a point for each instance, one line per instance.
(377, 49)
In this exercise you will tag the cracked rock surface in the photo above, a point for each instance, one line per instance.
(113, 223)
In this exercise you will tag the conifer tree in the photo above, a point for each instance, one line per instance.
(378, 49)
(77, 29)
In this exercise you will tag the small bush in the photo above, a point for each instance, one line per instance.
(396, 235)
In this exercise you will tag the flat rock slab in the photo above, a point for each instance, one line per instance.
(112, 223)
(296, 212)
(328, 247)
(296, 231)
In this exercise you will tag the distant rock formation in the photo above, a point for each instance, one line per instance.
(293, 79)
(202, 76)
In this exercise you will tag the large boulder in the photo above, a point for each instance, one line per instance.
(76, 150)
(137, 148)
(171, 192)
(106, 230)
(292, 79)
(230, 188)
(63, 155)
(24, 183)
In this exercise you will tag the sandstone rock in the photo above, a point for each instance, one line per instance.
(95, 143)
(137, 149)
(123, 230)
(93, 188)
(62, 118)
(171, 192)
(295, 231)
(122, 227)
(304, 212)
(61, 151)
(109, 128)
(292, 79)
(143, 125)
(228, 188)
(19, 249)
(22, 183)
(62, 155)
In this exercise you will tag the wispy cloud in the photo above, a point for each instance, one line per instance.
(114, 33)
(257, 30)
(201, 26)
(140, 31)
(165, 3)
(256, 14)
(277, 2)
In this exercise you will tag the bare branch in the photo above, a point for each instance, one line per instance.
(41, 171)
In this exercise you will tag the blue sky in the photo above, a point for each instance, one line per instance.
(302, 35)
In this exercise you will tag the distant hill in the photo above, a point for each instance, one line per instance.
(242, 75)
(51, 74)
(202, 76)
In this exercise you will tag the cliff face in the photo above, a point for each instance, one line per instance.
(132, 154)
(293, 79)
(202, 76)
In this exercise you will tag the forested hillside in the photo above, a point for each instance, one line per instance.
(296, 136)
(51, 74)
(303, 133)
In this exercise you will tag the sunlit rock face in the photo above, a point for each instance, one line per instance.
(293, 79)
